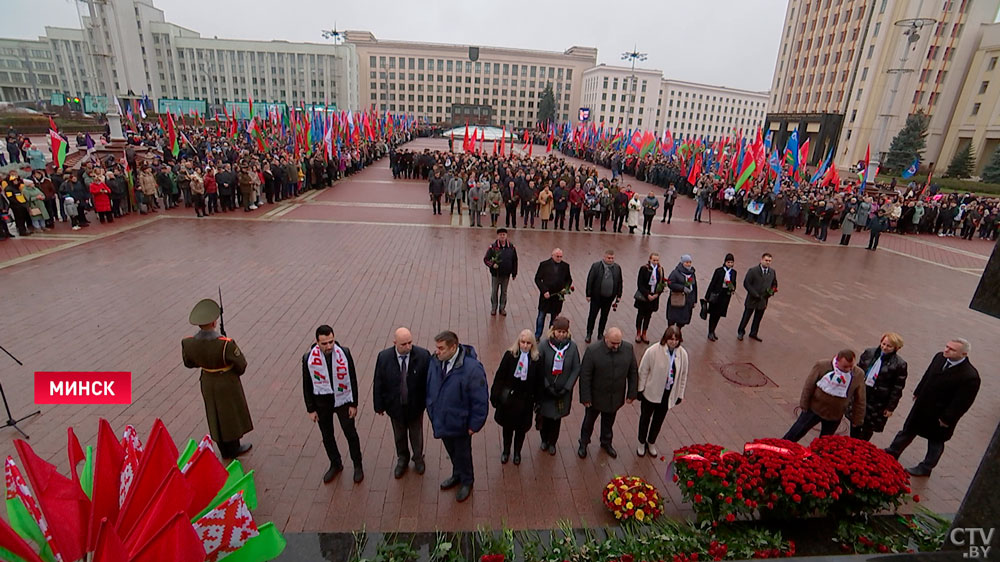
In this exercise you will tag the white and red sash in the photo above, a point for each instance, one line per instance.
(319, 374)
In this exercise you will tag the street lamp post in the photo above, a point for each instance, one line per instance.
(913, 27)
(633, 56)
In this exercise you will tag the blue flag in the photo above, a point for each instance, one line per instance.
(792, 150)
(912, 169)
(822, 169)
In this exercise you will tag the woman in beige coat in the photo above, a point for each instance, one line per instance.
(663, 374)
(545, 205)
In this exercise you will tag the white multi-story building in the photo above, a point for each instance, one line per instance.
(839, 63)
(622, 98)
(692, 110)
(426, 79)
(27, 71)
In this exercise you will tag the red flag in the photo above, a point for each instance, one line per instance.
(206, 476)
(551, 138)
(465, 139)
(157, 459)
(173, 495)
(160, 118)
(503, 137)
(109, 547)
(452, 143)
(176, 541)
(482, 140)
(13, 542)
(695, 170)
(74, 451)
(61, 500)
(108, 461)
(52, 125)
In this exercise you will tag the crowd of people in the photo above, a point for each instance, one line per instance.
(211, 173)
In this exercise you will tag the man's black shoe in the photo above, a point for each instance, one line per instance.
(755, 338)
(517, 458)
(552, 450)
(582, 452)
(463, 493)
(545, 446)
(610, 451)
(400, 469)
(918, 471)
(739, 337)
(449, 483)
(419, 466)
(334, 469)
(504, 457)
(359, 474)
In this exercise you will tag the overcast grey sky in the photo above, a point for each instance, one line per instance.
(723, 42)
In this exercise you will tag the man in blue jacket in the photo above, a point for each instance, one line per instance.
(457, 405)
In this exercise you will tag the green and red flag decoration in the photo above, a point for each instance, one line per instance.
(172, 143)
(58, 149)
(257, 134)
(148, 504)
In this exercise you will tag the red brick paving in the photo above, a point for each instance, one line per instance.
(121, 303)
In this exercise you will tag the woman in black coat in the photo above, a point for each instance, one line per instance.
(720, 290)
(682, 280)
(513, 394)
(885, 378)
(651, 282)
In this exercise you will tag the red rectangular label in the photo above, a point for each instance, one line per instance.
(83, 387)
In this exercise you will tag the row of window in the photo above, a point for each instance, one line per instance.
(505, 69)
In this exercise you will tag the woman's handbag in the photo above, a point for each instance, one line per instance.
(35, 212)
(704, 309)
(678, 299)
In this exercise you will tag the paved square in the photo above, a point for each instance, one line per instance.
(366, 257)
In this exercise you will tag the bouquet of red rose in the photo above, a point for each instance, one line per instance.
(786, 478)
(565, 292)
(631, 497)
(660, 287)
(872, 480)
(708, 478)
(729, 286)
(773, 290)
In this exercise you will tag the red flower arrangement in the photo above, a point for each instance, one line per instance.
(872, 480)
(631, 497)
(786, 478)
(710, 476)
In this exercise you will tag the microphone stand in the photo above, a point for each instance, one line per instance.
(11, 422)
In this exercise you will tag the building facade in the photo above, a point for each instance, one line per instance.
(27, 71)
(622, 98)
(976, 122)
(425, 79)
(692, 110)
(838, 64)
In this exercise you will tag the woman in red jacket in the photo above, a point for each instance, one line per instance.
(102, 197)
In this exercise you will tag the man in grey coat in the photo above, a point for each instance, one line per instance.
(761, 282)
(477, 202)
(609, 378)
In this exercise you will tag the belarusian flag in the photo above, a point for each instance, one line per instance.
(172, 143)
(58, 149)
(255, 132)
(748, 169)
(128, 172)
(226, 528)
(23, 512)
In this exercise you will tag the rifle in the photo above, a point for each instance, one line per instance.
(222, 321)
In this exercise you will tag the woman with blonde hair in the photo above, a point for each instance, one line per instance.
(663, 374)
(513, 393)
(885, 378)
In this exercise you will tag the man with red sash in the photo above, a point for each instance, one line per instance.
(330, 386)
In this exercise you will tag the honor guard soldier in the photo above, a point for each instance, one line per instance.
(221, 363)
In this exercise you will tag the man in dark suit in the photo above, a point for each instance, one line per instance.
(945, 393)
(400, 390)
(609, 377)
(761, 282)
(551, 278)
(604, 288)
